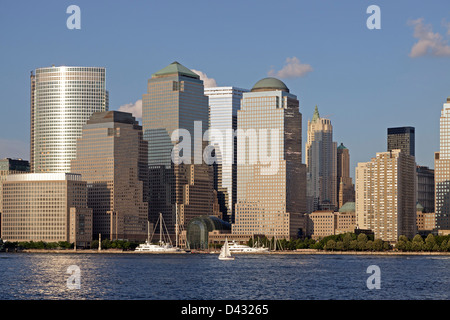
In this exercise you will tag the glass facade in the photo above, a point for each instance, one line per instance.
(62, 100)
(224, 102)
(175, 100)
(198, 230)
(112, 158)
(402, 138)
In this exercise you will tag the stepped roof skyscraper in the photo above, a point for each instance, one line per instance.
(175, 111)
(321, 164)
(112, 158)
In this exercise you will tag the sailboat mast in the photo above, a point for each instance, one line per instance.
(176, 224)
(160, 228)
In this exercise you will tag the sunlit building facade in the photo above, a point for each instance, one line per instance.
(47, 207)
(62, 100)
(442, 171)
(271, 179)
(386, 195)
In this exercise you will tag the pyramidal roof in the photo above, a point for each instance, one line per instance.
(316, 115)
(342, 146)
(176, 68)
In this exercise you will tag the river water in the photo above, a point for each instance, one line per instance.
(48, 276)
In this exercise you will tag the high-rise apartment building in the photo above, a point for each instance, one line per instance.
(47, 207)
(442, 171)
(271, 179)
(112, 158)
(402, 138)
(175, 116)
(321, 164)
(62, 100)
(224, 102)
(345, 189)
(386, 195)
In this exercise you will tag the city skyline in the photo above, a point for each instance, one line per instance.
(381, 74)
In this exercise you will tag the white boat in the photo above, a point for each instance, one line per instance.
(235, 247)
(225, 253)
(162, 246)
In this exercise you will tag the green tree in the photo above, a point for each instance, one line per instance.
(443, 246)
(430, 242)
(347, 238)
(417, 243)
(340, 246)
(361, 241)
(369, 245)
(378, 245)
(331, 245)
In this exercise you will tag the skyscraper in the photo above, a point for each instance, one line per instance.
(224, 102)
(112, 158)
(62, 100)
(442, 171)
(344, 188)
(321, 164)
(271, 186)
(402, 138)
(175, 114)
(386, 195)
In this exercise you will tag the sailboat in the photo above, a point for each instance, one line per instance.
(161, 247)
(225, 253)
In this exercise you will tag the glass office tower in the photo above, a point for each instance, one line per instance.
(62, 100)
(112, 158)
(175, 100)
(224, 103)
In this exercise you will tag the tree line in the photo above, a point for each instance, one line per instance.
(360, 242)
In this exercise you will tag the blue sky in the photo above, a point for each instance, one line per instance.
(364, 80)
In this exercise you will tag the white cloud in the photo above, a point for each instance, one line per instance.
(429, 43)
(292, 69)
(134, 108)
(207, 82)
(14, 149)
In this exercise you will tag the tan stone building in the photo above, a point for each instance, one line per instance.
(271, 179)
(326, 223)
(425, 220)
(47, 207)
(112, 159)
(386, 195)
(11, 166)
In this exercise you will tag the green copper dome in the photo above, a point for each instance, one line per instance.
(270, 84)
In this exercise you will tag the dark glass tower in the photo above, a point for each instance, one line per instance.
(402, 138)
